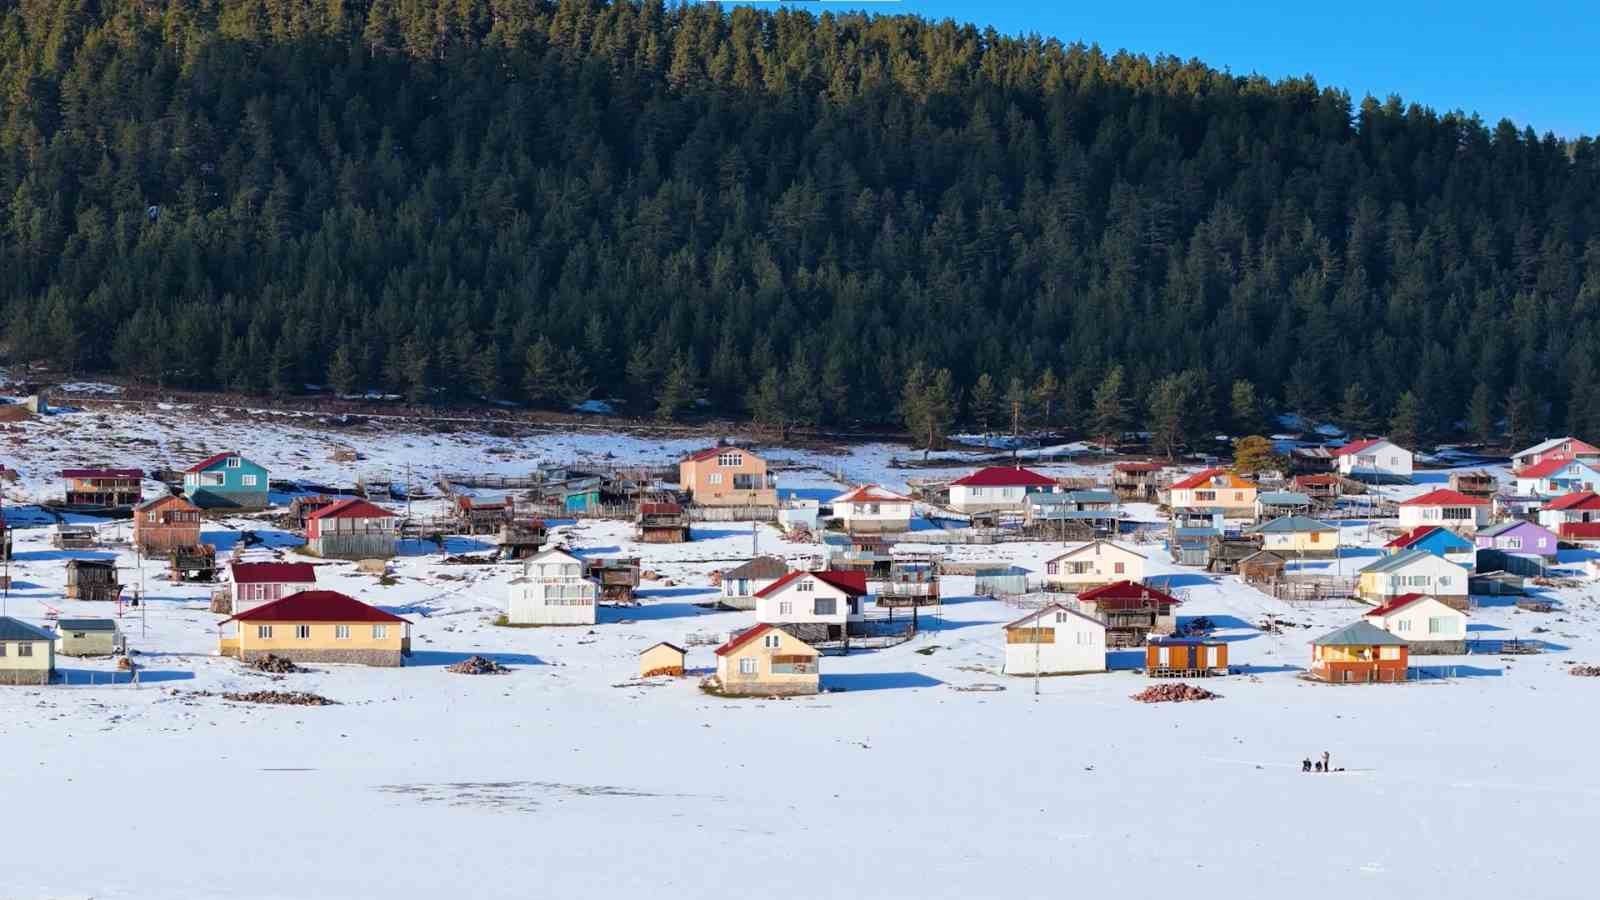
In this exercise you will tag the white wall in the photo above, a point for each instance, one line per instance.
(1383, 458)
(966, 498)
(1412, 622)
(793, 604)
(1412, 516)
(897, 511)
(1102, 560)
(552, 591)
(1080, 646)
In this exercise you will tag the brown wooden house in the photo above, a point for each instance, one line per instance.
(475, 516)
(165, 523)
(301, 509)
(1132, 611)
(92, 579)
(617, 577)
(1262, 566)
(522, 539)
(663, 523)
(1137, 481)
(103, 488)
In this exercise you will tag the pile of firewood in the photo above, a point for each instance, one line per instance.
(1173, 692)
(477, 665)
(1585, 671)
(279, 698)
(274, 664)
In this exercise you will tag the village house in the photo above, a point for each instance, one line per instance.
(88, 637)
(1450, 509)
(319, 627)
(1573, 517)
(351, 529)
(1089, 512)
(522, 538)
(474, 516)
(740, 584)
(1377, 459)
(727, 476)
(1272, 504)
(1214, 488)
(1261, 567)
(766, 661)
(92, 579)
(873, 509)
(662, 660)
(254, 584)
(1174, 657)
(1137, 482)
(1476, 483)
(617, 576)
(1055, 640)
(1413, 571)
(998, 489)
(662, 522)
(226, 481)
(1554, 448)
(27, 653)
(103, 488)
(1438, 541)
(553, 591)
(1131, 611)
(1359, 653)
(1317, 487)
(301, 508)
(1519, 537)
(1429, 626)
(1553, 477)
(1297, 537)
(165, 523)
(813, 606)
(1092, 565)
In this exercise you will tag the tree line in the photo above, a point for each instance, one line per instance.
(832, 219)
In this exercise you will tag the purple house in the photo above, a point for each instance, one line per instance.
(1517, 536)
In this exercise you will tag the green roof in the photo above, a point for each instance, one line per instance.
(18, 630)
(1400, 560)
(1291, 525)
(1360, 634)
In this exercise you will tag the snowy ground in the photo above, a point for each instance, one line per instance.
(568, 777)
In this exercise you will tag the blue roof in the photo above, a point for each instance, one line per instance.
(1290, 525)
(1283, 498)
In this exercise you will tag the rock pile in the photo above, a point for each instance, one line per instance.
(274, 664)
(279, 698)
(1173, 693)
(477, 665)
(1585, 671)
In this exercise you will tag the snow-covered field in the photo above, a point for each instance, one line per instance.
(569, 778)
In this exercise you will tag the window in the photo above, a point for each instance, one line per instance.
(1389, 653)
(1119, 568)
(24, 649)
(379, 632)
(1060, 617)
(1050, 568)
(1444, 581)
(1403, 625)
(1205, 495)
(341, 632)
(264, 632)
(1238, 495)
(1085, 638)
(233, 462)
(730, 460)
(714, 478)
(785, 608)
(1514, 543)
(211, 479)
(302, 632)
(2, 649)
(248, 480)
(1440, 625)
(770, 641)
(825, 606)
(747, 665)
(1316, 537)
(804, 586)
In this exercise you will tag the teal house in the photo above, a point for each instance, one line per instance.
(226, 481)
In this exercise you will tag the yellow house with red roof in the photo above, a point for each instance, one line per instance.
(319, 626)
(1220, 489)
(766, 661)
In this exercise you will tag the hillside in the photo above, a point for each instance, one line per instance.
(546, 201)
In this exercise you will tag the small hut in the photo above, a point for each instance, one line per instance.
(1262, 566)
(88, 637)
(663, 523)
(520, 540)
(1173, 657)
(92, 579)
(617, 577)
(662, 659)
(195, 564)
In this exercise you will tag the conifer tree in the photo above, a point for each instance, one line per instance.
(984, 403)
(1405, 423)
(1111, 414)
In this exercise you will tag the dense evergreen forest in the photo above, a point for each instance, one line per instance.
(826, 219)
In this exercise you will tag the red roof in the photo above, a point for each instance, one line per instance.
(1575, 500)
(1202, 478)
(853, 583)
(1357, 446)
(1004, 476)
(744, 637)
(102, 473)
(1139, 466)
(1396, 604)
(1583, 531)
(1316, 479)
(210, 461)
(1126, 595)
(351, 508)
(711, 452)
(1550, 466)
(871, 493)
(1411, 537)
(315, 606)
(274, 573)
(1445, 497)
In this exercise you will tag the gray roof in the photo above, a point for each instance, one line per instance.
(1262, 556)
(1399, 561)
(1283, 498)
(1291, 525)
(18, 630)
(1512, 525)
(1094, 496)
(760, 567)
(1361, 633)
(87, 625)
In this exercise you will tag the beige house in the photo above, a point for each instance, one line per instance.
(727, 476)
(88, 637)
(1214, 489)
(320, 626)
(1092, 565)
(662, 659)
(766, 661)
(27, 654)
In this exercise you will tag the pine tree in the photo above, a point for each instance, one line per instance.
(984, 403)
(1170, 417)
(677, 391)
(643, 376)
(1245, 414)
(1480, 414)
(483, 371)
(834, 391)
(1017, 406)
(912, 407)
(1111, 415)
(540, 379)
(1405, 423)
(342, 371)
(769, 403)
(1522, 415)
(1355, 411)
(1047, 397)
(575, 383)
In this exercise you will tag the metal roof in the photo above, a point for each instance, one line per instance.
(1401, 560)
(1290, 525)
(18, 630)
(1283, 498)
(87, 624)
(1360, 634)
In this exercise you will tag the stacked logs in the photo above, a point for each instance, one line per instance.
(1173, 692)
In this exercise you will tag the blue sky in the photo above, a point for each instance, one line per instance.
(1536, 62)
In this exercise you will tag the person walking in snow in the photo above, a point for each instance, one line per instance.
(1326, 765)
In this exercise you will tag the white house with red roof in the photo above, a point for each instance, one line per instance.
(255, 583)
(1055, 640)
(1575, 516)
(998, 489)
(813, 606)
(1554, 476)
(1427, 624)
(1375, 459)
(873, 508)
(319, 626)
(351, 528)
(1092, 565)
(766, 661)
(553, 591)
(1554, 448)
(1447, 509)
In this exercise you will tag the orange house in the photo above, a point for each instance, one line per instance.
(1360, 653)
(727, 476)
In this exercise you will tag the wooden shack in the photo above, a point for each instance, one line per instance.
(75, 537)
(1185, 658)
(663, 523)
(483, 517)
(301, 508)
(1131, 611)
(617, 577)
(1137, 481)
(1262, 566)
(89, 637)
(195, 564)
(165, 523)
(1476, 483)
(662, 659)
(520, 540)
(92, 579)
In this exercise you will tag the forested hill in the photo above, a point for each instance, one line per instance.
(665, 203)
